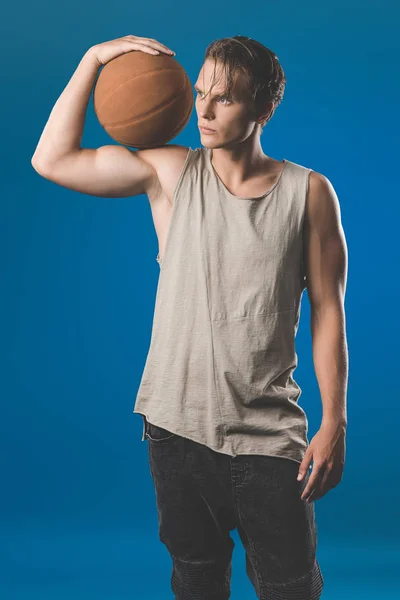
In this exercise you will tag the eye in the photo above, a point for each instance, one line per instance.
(219, 99)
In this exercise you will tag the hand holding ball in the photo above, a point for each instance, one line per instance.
(141, 99)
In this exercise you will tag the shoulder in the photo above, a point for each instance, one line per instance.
(164, 157)
(322, 205)
(321, 196)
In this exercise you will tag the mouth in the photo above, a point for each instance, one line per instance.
(206, 130)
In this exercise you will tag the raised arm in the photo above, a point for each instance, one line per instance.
(108, 171)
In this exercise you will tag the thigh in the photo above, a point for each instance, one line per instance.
(278, 529)
(191, 524)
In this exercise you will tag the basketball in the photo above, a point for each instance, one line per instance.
(143, 100)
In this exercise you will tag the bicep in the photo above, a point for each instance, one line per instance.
(109, 171)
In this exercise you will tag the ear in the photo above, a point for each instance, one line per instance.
(266, 114)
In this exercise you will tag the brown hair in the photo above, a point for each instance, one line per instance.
(258, 63)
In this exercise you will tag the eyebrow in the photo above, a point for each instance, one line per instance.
(196, 87)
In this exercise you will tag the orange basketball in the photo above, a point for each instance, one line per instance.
(143, 100)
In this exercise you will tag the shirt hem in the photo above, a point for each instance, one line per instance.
(215, 449)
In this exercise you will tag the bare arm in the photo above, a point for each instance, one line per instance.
(326, 258)
(64, 128)
(109, 171)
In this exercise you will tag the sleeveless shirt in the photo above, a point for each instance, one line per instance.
(219, 370)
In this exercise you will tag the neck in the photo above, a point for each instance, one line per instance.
(240, 163)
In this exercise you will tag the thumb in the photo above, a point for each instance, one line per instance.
(305, 464)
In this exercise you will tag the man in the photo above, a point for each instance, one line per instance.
(241, 235)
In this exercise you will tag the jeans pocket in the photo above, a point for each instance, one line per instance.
(157, 434)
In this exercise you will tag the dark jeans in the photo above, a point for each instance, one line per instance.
(202, 495)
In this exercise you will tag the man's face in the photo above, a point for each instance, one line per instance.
(233, 120)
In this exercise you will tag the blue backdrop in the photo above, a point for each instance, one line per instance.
(77, 507)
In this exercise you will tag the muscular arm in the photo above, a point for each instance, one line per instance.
(326, 272)
(108, 171)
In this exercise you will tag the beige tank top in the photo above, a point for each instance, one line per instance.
(220, 364)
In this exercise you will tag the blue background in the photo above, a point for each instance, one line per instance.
(79, 275)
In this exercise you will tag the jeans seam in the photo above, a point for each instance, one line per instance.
(253, 556)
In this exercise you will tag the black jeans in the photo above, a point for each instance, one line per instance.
(202, 495)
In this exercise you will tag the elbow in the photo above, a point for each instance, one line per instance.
(39, 167)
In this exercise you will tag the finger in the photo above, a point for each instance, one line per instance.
(313, 495)
(319, 491)
(316, 474)
(162, 47)
(323, 487)
(303, 470)
(143, 48)
(306, 463)
(153, 44)
(159, 45)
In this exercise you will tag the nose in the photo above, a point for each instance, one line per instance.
(204, 109)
